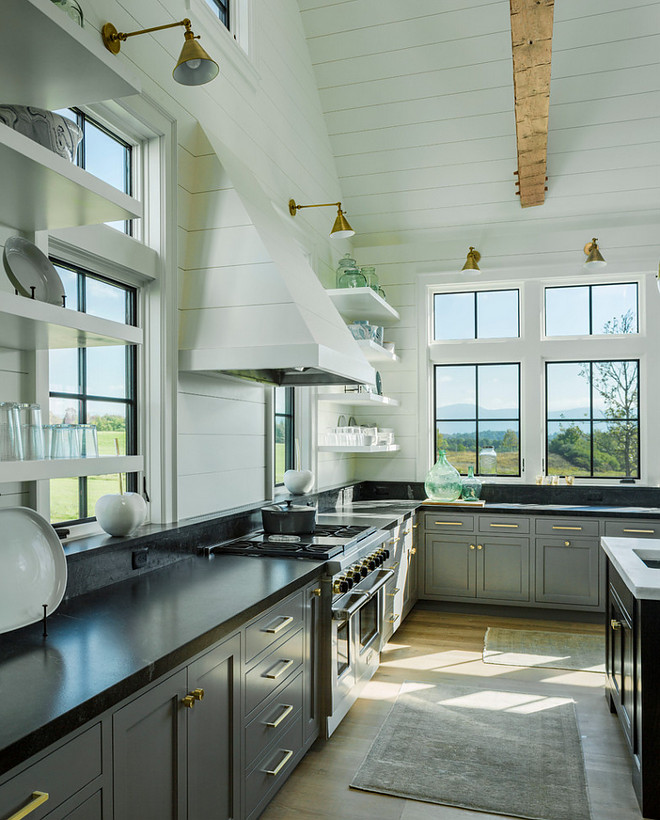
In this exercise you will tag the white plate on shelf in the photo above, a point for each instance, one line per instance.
(27, 267)
(32, 568)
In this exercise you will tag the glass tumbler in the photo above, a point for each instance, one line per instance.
(11, 442)
(87, 440)
(64, 441)
(32, 432)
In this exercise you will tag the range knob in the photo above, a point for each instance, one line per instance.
(355, 574)
(340, 585)
(349, 581)
(370, 564)
(363, 570)
(386, 554)
(379, 559)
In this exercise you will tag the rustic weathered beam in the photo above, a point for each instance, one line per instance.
(531, 42)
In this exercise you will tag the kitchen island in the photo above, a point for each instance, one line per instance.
(632, 657)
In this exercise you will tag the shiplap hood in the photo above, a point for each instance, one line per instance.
(255, 308)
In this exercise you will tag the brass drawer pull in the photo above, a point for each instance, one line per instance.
(512, 526)
(415, 526)
(392, 620)
(650, 532)
(286, 620)
(557, 527)
(615, 624)
(37, 799)
(449, 523)
(392, 594)
(413, 551)
(281, 671)
(288, 754)
(273, 724)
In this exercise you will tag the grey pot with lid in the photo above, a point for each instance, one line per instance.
(288, 519)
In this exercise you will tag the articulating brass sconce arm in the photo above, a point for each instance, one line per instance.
(293, 208)
(112, 38)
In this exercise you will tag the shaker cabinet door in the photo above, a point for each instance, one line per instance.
(450, 566)
(567, 571)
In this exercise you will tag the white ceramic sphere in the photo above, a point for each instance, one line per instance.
(298, 482)
(120, 514)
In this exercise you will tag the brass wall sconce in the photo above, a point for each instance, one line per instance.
(471, 265)
(594, 257)
(194, 66)
(340, 230)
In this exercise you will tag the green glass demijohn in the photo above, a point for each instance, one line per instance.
(443, 482)
(471, 486)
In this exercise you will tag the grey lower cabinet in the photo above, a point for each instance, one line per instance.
(401, 590)
(69, 780)
(477, 567)
(175, 747)
(539, 561)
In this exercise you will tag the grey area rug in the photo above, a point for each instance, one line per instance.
(502, 752)
(555, 650)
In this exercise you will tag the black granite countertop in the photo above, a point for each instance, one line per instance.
(106, 645)
(573, 510)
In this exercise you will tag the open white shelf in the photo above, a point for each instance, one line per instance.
(353, 448)
(46, 60)
(374, 352)
(28, 324)
(42, 190)
(357, 398)
(13, 471)
(363, 303)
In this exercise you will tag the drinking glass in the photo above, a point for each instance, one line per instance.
(32, 432)
(64, 441)
(11, 442)
(87, 440)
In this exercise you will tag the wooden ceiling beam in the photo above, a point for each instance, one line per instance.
(531, 42)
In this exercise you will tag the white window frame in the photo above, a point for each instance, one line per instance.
(533, 349)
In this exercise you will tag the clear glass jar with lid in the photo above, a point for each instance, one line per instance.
(345, 262)
(352, 278)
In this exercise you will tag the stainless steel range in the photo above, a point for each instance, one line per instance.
(353, 596)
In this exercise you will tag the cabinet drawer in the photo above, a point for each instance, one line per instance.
(59, 774)
(632, 529)
(503, 525)
(280, 620)
(274, 719)
(273, 768)
(570, 527)
(273, 670)
(442, 521)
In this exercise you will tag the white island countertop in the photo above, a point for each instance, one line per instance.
(628, 555)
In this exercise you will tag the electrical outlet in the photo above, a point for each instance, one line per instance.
(140, 558)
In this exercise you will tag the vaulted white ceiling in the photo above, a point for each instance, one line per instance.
(418, 101)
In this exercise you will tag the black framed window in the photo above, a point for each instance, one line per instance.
(94, 385)
(284, 432)
(221, 8)
(481, 314)
(592, 418)
(106, 155)
(478, 406)
(589, 310)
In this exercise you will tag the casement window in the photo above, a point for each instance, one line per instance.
(486, 314)
(549, 374)
(592, 418)
(94, 385)
(221, 9)
(590, 310)
(284, 432)
(106, 155)
(477, 406)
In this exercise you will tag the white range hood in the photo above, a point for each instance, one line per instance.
(270, 320)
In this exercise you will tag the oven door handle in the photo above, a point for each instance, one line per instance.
(344, 613)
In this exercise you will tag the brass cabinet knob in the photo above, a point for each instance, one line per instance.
(615, 624)
(317, 592)
(413, 551)
(480, 546)
(188, 701)
(198, 694)
(471, 546)
(567, 543)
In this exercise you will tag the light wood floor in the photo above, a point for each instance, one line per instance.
(432, 646)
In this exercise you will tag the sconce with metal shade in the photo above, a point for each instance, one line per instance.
(594, 257)
(471, 265)
(340, 230)
(194, 66)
